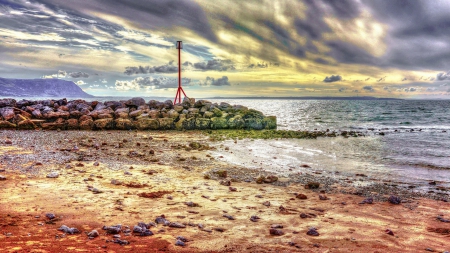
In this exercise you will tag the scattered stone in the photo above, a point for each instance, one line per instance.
(266, 203)
(176, 225)
(441, 219)
(323, 197)
(301, 196)
(179, 243)
(162, 220)
(2, 177)
(389, 232)
(116, 182)
(274, 231)
(94, 233)
(228, 216)
(270, 179)
(254, 218)
(394, 200)
(121, 242)
(53, 174)
(225, 182)
(233, 189)
(276, 226)
(50, 216)
(367, 201)
(96, 164)
(113, 229)
(192, 204)
(430, 249)
(312, 185)
(182, 238)
(219, 230)
(68, 230)
(312, 232)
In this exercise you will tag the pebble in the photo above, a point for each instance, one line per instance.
(389, 232)
(323, 197)
(68, 230)
(276, 226)
(96, 164)
(429, 249)
(50, 216)
(2, 177)
(121, 242)
(182, 238)
(162, 220)
(254, 218)
(53, 174)
(176, 225)
(442, 219)
(233, 189)
(180, 243)
(266, 203)
(228, 216)
(367, 201)
(94, 233)
(220, 230)
(394, 200)
(312, 232)
(113, 229)
(116, 236)
(274, 231)
(301, 196)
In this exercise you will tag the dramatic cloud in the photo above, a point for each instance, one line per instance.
(167, 68)
(223, 81)
(258, 65)
(216, 64)
(443, 76)
(332, 78)
(368, 88)
(78, 75)
(148, 83)
(81, 82)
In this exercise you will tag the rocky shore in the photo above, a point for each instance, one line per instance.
(135, 113)
(165, 191)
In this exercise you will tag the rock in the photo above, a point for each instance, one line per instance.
(312, 185)
(173, 114)
(394, 200)
(166, 123)
(229, 217)
(113, 229)
(225, 182)
(301, 196)
(218, 123)
(50, 216)
(441, 219)
(124, 124)
(8, 102)
(136, 102)
(270, 122)
(136, 113)
(94, 233)
(233, 189)
(6, 124)
(104, 124)
(162, 220)
(7, 113)
(179, 243)
(277, 232)
(72, 124)
(323, 197)
(53, 174)
(236, 122)
(26, 124)
(122, 113)
(276, 226)
(367, 201)
(147, 124)
(312, 232)
(389, 232)
(270, 179)
(68, 230)
(254, 218)
(202, 124)
(266, 203)
(121, 242)
(176, 225)
(2, 177)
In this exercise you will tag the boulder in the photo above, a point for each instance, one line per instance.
(105, 116)
(22, 103)
(172, 114)
(122, 113)
(7, 113)
(72, 124)
(154, 114)
(270, 122)
(217, 112)
(75, 114)
(103, 124)
(124, 124)
(166, 123)
(236, 122)
(179, 124)
(135, 113)
(202, 123)
(219, 123)
(168, 104)
(136, 102)
(114, 105)
(189, 124)
(200, 103)
(58, 124)
(208, 115)
(37, 114)
(178, 108)
(6, 124)
(7, 102)
(254, 123)
(152, 104)
(26, 124)
(87, 124)
(147, 124)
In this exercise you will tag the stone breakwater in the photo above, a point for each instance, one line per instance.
(130, 114)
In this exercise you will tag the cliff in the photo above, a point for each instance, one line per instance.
(40, 88)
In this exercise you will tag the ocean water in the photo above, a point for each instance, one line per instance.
(415, 147)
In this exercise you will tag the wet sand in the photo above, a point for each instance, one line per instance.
(177, 165)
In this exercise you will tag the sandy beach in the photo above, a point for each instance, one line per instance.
(180, 184)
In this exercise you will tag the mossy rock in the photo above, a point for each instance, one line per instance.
(166, 123)
(236, 122)
(202, 123)
(189, 124)
(251, 114)
(219, 123)
(102, 124)
(254, 123)
(124, 124)
(260, 179)
(217, 112)
(270, 122)
(147, 124)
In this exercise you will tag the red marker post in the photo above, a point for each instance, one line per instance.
(180, 89)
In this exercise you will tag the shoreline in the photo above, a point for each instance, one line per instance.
(173, 167)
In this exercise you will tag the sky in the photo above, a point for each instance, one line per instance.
(381, 48)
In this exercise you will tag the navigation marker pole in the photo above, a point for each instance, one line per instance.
(180, 89)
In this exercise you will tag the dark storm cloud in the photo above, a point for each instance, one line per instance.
(216, 64)
(332, 78)
(151, 14)
(78, 75)
(368, 88)
(322, 61)
(167, 68)
(443, 76)
(346, 52)
(223, 81)
(258, 65)
(345, 9)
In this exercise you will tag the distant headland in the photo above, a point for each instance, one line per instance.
(40, 88)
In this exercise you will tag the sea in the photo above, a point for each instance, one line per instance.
(415, 147)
